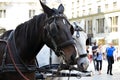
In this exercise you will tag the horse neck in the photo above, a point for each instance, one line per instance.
(80, 42)
(31, 36)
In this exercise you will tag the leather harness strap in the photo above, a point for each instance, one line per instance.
(14, 67)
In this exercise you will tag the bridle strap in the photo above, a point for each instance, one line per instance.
(66, 43)
(56, 16)
(82, 55)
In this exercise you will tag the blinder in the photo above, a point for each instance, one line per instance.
(53, 29)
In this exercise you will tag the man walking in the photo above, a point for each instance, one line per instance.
(110, 58)
(94, 54)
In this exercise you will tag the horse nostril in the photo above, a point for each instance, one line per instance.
(73, 57)
(82, 64)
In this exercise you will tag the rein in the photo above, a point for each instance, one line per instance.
(13, 61)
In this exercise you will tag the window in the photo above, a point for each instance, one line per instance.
(31, 13)
(114, 24)
(99, 9)
(115, 41)
(106, 7)
(78, 1)
(72, 10)
(83, 13)
(100, 24)
(114, 5)
(77, 13)
(90, 27)
(72, 5)
(115, 20)
(89, 11)
(72, 14)
(2, 13)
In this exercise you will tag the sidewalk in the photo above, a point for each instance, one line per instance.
(104, 75)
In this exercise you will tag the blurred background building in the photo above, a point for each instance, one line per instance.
(100, 18)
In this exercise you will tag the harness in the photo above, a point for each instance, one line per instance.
(20, 66)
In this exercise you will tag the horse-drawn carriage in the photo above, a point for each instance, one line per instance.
(49, 69)
(19, 47)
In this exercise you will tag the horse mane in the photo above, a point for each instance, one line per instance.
(30, 29)
(27, 32)
(31, 25)
(28, 35)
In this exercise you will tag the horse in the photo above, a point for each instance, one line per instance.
(80, 38)
(19, 47)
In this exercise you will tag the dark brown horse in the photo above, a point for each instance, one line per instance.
(19, 47)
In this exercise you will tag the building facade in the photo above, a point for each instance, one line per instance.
(15, 12)
(101, 17)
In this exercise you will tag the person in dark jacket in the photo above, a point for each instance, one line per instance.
(110, 58)
(94, 54)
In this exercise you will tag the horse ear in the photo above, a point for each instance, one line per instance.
(61, 9)
(46, 9)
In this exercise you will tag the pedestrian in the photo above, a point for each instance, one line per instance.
(87, 49)
(99, 59)
(88, 52)
(94, 54)
(110, 58)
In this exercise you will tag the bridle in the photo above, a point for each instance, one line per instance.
(57, 48)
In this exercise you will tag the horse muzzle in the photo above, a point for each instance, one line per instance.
(82, 64)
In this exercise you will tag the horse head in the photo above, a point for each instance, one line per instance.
(58, 33)
(80, 39)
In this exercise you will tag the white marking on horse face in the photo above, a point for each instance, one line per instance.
(64, 21)
(81, 42)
